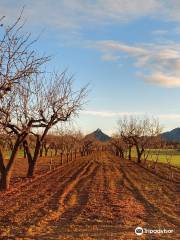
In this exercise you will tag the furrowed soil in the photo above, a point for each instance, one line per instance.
(98, 197)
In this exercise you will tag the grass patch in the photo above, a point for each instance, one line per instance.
(172, 154)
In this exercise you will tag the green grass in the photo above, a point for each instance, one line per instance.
(175, 160)
(7, 154)
(173, 155)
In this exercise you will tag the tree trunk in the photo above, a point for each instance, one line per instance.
(139, 158)
(41, 152)
(61, 158)
(129, 153)
(46, 152)
(139, 154)
(55, 151)
(32, 160)
(121, 153)
(71, 155)
(5, 180)
(6, 171)
(117, 152)
(75, 153)
(31, 168)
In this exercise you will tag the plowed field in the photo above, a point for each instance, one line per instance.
(100, 197)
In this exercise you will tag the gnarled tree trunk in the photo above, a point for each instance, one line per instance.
(129, 152)
(6, 171)
(31, 169)
(139, 153)
(32, 159)
(5, 180)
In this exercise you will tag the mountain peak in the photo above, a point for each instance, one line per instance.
(98, 130)
(172, 136)
(99, 135)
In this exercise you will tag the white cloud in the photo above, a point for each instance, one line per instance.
(111, 114)
(113, 47)
(164, 80)
(110, 57)
(175, 117)
(70, 14)
(127, 10)
(159, 63)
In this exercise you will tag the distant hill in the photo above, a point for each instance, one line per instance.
(172, 136)
(98, 135)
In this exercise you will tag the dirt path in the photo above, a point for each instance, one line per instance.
(95, 198)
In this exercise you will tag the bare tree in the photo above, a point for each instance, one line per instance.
(33, 109)
(54, 101)
(11, 126)
(18, 60)
(87, 146)
(72, 141)
(169, 157)
(48, 143)
(33, 105)
(18, 63)
(119, 145)
(139, 131)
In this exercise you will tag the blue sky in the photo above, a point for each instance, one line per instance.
(129, 52)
